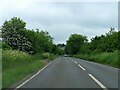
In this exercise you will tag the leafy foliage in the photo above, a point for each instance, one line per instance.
(41, 41)
(15, 35)
(12, 34)
(75, 44)
(108, 58)
(4, 46)
(57, 50)
(104, 43)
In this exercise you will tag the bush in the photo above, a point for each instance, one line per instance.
(4, 46)
(12, 58)
(18, 64)
(45, 55)
(52, 57)
(104, 58)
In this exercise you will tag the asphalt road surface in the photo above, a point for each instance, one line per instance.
(67, 72)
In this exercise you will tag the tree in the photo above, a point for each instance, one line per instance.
(11, 34)
(105, 43)
(57, 50)
(41, 40)
(18, 37)
(75, 43)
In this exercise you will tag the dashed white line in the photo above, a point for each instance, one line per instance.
(32, 77)
(81, 67)
(75, 62)
(98, 82)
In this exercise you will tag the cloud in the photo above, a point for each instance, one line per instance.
(61, 19)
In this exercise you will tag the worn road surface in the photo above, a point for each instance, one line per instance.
(67, 72)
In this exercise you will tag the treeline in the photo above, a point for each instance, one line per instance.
(78, 44)
(16, 36)
(24, 51)
(106, 43)
(103, 49)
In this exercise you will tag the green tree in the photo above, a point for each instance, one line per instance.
(75, 44)
(105, 43)
(41, 40)
(57, 50)
(18, 37)
(11, 34)
(112, 40)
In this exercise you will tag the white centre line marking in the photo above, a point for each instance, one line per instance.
(81, 67)
(98, 82)
(75, 62)
(32, 77)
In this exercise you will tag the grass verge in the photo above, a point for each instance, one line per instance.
(12, 75)
(110, 59)
(17, 65)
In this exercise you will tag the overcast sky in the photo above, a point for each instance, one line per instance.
(61, 19)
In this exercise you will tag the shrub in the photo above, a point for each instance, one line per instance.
(12, 58)
(4, 46)
(110, 58)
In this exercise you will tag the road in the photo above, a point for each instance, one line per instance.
(67, 72)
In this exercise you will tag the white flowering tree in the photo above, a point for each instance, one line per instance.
(12, 34)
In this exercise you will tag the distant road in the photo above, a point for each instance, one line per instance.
(66, 72)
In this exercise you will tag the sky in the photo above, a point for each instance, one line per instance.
(63, 18)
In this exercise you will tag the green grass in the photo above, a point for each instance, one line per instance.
(11, 59)
(0, 73)
(0, 81)
(110, 59)
(45, 55)
(13, 75)
(17, 64)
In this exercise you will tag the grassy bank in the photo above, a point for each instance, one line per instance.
(110, 59)
(16, 65)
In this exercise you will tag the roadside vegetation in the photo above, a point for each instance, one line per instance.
(110, 58)
(24, 51)
(18, 64)
(103, 49)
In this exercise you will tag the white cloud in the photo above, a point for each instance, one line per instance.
(63, 18)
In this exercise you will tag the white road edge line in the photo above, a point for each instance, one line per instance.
(98, 82)
(32, 76)
(81, 67)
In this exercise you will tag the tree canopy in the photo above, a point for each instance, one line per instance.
(17, 36)
(12, 34)
(75, 43)
(105, 43)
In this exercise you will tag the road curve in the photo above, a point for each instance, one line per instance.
(66, 72)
